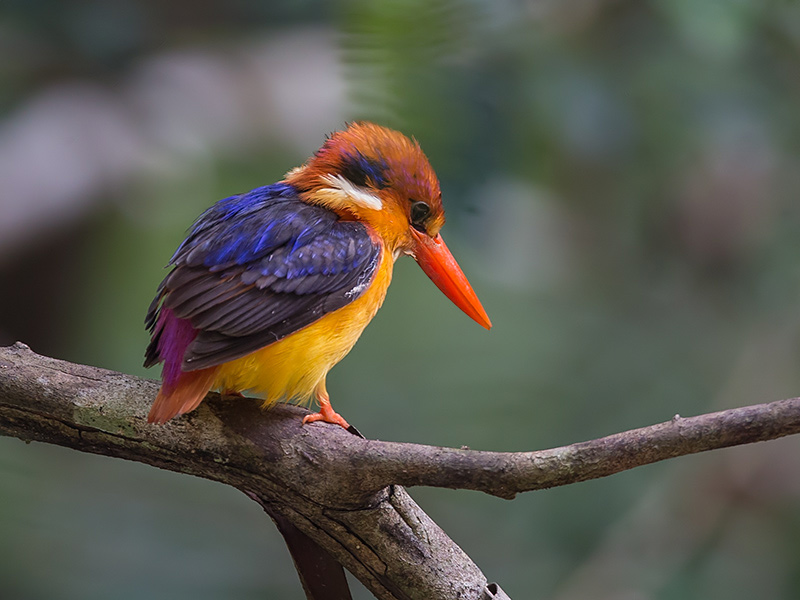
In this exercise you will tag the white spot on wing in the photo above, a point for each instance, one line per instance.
(356, 291)
(364, 279)
(359, 195)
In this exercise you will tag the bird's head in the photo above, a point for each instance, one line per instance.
(378, 176)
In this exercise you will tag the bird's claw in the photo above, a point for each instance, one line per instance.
(328, 415)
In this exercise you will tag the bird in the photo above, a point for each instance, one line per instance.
(271, 288)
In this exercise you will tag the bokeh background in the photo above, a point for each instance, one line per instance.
(621, 179)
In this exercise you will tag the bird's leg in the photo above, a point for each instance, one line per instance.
(326, 412)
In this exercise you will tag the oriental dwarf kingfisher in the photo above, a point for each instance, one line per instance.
(272, 288)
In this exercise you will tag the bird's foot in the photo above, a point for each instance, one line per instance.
(232, 394)
(328, 415)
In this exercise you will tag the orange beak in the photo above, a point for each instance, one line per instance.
(438, 263)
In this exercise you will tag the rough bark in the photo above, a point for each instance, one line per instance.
(379, 534)
(341, 491)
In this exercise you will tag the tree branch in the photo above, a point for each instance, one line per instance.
(506, 474)
(305, 473)
(379, 535)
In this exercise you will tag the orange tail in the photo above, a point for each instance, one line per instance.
(185, 396)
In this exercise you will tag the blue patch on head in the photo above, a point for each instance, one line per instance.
(361, 170)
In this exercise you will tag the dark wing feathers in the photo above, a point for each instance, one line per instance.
(258, 267)
(241, 229)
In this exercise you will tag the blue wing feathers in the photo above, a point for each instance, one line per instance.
(258, 266)
(242, 228)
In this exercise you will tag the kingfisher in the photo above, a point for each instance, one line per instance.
(271, 288)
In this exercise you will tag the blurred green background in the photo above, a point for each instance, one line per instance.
(621, 180)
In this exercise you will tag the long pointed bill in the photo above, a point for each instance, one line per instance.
(435, 259)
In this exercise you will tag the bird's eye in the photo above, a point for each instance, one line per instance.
(419, 212)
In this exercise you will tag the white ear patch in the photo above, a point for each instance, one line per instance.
(342, 186)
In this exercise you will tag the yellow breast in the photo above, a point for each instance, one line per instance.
(291, 368)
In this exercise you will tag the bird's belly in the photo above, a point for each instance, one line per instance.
(291, 368)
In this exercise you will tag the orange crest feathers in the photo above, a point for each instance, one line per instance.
(375, 158)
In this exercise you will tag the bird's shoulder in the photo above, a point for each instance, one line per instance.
(258, 266)
(245, 227)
